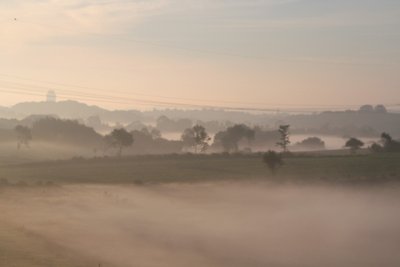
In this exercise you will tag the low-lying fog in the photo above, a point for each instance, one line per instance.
(214, 224)
(331, 142)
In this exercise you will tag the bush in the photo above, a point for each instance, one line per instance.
(273, 160)
(376, 148)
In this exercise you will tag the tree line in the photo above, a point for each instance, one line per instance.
(194, 139)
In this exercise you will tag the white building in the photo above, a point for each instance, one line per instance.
(51, 96)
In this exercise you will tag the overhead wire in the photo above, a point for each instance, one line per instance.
(17, 91)
(37, 91)
(128, 99)
(125, 97)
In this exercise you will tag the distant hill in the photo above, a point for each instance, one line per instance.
(74, 110)
(367, 121)
(348, 123)
(7, 113)
(65, 109)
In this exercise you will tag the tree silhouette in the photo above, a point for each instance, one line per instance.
(376, 148)
(314, 143)
(196, 137)
(284, 137)
(119, 138)
(69, 132)
(390, 145)
(230, 138)
(354, 144)
(24, 136)
(273, 160)
(380, 109)
(386, 138)
(366, 108)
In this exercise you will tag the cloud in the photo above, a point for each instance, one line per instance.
(314, 22)
(41, 19)
(298, 14)
(48, 18)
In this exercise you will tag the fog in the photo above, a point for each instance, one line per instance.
(331, 142)
(215, 224)
(41, 151)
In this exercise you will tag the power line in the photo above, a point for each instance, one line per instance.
(78, 93)
(116, 91)
(115, 100)
(158, 44)
(176, 103)
(25, 92)
(19, 90)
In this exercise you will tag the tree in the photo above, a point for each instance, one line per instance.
(386, 138)
(94, 121)
(273, 160)
(366, 108)
(154, 132)
(380, 109)
(229, 139)
(119, 138)
(24, 135)
(354, 144)
(69, 132)
(376, 148)
(390, 145)
(284, 137)
(314, 143)
(151, 133)
(166, 124)
(196, 137)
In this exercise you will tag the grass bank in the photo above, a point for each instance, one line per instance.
(373, 168)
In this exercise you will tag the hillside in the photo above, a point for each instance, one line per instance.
(370, 123)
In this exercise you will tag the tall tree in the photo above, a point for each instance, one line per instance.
(24, 135)
(119, 138)
(196, 137)
(230, 138)
(389, 144)
(284, 140)
(354, 144)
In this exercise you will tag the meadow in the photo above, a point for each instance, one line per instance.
(298, 168)
(201, 210)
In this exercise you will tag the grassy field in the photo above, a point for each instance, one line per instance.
(9, 154)
(375, 168)
(197, 210)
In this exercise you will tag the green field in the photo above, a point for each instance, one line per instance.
(374, 168)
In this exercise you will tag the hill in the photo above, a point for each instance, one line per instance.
(363, 122)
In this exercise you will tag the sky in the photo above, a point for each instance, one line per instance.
(143, 54)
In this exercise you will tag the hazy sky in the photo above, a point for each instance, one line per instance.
(125, 53)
